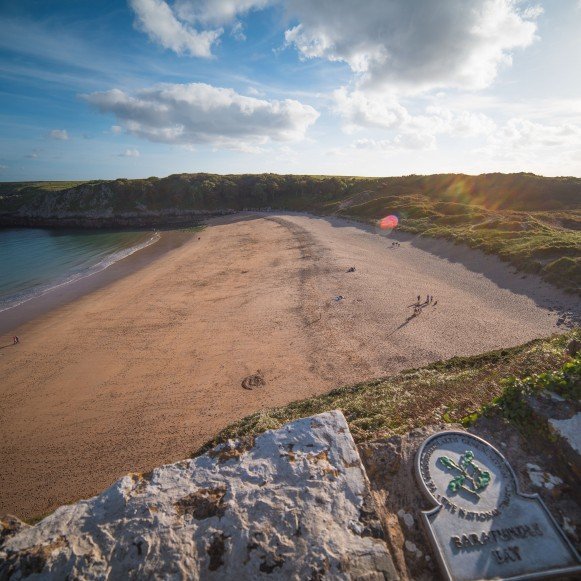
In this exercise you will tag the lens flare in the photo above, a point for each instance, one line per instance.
(389, 222)
(385, 226)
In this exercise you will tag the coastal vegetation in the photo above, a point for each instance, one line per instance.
(531, 221)
(23, 193)
(459, 389)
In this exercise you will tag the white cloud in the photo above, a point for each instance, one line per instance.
(545, 148)
(521, 135)
(414, 44)
(3, 168)
(217, 12)
(361, 109)
(402, 142)
(116, 129)
(60, 134)
(160, 23)
(409, 45)
(130, 153)
(254, 91)
(441, 120)
(192, 26)
(200, 113)
(238, 31)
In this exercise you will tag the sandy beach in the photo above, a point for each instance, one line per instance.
(145, 369)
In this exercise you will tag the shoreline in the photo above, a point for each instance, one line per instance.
(37, 306)
(146, 369)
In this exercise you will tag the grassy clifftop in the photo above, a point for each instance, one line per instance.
(455, 390)
(520, 192)
(531, 221)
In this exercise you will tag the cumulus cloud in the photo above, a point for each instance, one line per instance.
(60, 134)
(441, 120)
(200, 113)
(522, 134)
(552, 147)
(414, 44)
(215, 12)
(162, 26)
(360, 109)
(130, 153)
(408, 45)
(411, 45)
(254, 92)
(192, 26)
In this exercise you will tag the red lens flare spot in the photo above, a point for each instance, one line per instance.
(389, 222)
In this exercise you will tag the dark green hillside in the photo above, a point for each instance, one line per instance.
(15, 194)
(534, 222)
(524, 192)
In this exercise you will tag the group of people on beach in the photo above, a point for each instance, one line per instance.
(395, 244)
(418, 305)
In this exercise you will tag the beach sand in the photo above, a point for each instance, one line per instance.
(144, 370)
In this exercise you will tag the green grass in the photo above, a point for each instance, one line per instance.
(14, 195)
(542, 242)
(450, 391)
(511, 403)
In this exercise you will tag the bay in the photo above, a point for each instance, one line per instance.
(36, 260)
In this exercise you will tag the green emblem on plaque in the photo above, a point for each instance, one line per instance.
(470, 478)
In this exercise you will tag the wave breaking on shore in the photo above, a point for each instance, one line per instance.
(13, 300)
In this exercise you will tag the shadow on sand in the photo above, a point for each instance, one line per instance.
(501, 273)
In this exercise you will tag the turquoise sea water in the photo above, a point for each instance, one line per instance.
(34, 261)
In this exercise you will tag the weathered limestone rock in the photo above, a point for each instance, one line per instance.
(562, 418)
(292, 504)
(570, 430)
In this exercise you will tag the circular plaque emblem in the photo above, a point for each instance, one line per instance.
(463, 472)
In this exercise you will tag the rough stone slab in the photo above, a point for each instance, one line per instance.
(570, 430)
(563, 419)
(292, 504)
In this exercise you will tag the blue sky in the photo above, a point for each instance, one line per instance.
(136, 88)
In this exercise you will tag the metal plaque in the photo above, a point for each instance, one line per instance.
(482, 526)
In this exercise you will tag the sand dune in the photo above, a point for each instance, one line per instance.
(146, 369)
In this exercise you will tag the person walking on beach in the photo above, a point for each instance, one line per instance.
(15, 340)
